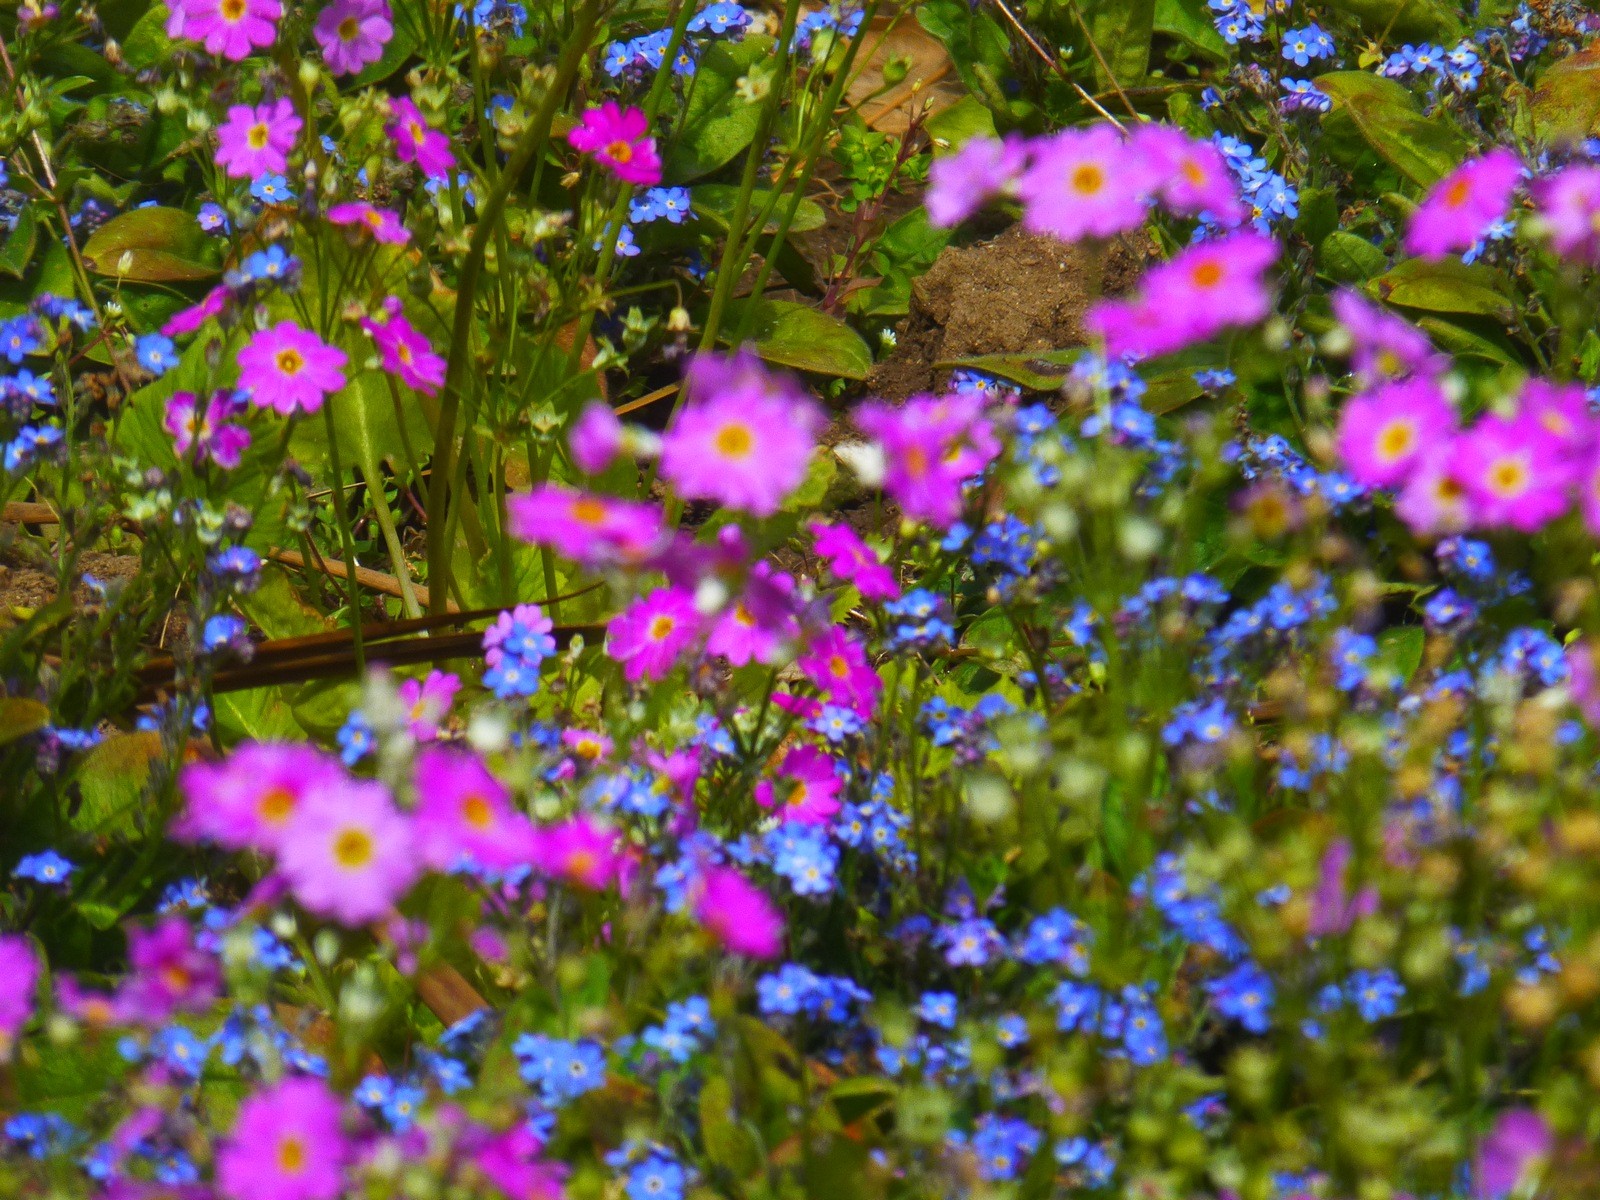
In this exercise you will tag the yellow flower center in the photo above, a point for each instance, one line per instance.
(291, 1155)
(352, 849)
(258, 135)
(734, 441)
(475, 811)
(1088, 179)
(1396, 440)
(276, 805)
(290, 362)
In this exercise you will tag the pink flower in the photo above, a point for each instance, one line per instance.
(286, 1145)
(595, 438)
(1561, 411)
(248, 800)
(406, 353)
(463, 812)
(586, 744)
(511, 1162)
(931, 448)
(1190, 176)
(383, 225)
(256, 140)
(737, 913)
(229, 28)
(289, 369)
(416, 143)
(755, 626)
(1569, 207)
(353, 33)
(581, 851)
(814, 785)
(1332, 908)
(837, 666)
(349, 854)
(744, 440)
(853, 561)
(1084, 183)
(208, 428)
(96, 1009)
(1519, 1140)
(187, 320)
(620, 139)
(1382, 435)
(167, 973)
(1583, 678)
(960, 184)
(1514, 472)
(1382, 345)
(19, 972)
(1434, 501)
(1207, 288)
(587, 528)
(1459, 209)
(649, 635)
(427, 703)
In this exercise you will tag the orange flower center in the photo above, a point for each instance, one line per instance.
(475, 812)
(660, 627)
(290, 362)
(734, 441)
(1456, 194)
(291, 1155)
(231, 10)
(352, 849)
(1208, 274)
(276, 805)
(1088, 179)
(621, 151)
(588, 510)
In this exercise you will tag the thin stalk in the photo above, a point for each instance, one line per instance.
(342, 520)
(391, 538)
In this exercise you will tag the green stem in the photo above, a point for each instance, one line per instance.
(341, 519)
(532, 141)
(391, 538)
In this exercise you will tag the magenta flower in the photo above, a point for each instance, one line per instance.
(1515, 473)
(228, 28)
(837, 667)
(464, 813)
(349, 854)
(649, 635)
(595, 438)
(1434, 500)
(1561, 410)
(932, 448)
(960, 184)
(737, 913)
(353, 33)
(584, 527)
(579, 850)
(415, 142)
(167, 973)
(208, 430)
(248, 800)
(254, 141)
(1190, 176)
(1333, 910)
(427, 703)
(289, 369)
(745, 438)
(286, 1145)
(1382, 346)
(1085, 183)
(405, 352)
(1583, 678)
(756, 625)
(189, 319)
(1569, 212)
(1461, 207)
(853, 561)
(1515, 1146)
(1382, 435)
(812, 787)
(511, 1162)
(383, 225)
(620, 140)
(1207, 288)
(19, 972)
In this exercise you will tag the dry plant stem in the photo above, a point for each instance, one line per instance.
(1050, 61)
(377, 581)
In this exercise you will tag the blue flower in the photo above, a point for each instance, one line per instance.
(47, 868)
(656, 1178)
(356, 739)
(1376, 994)
(1245, 994)
(938, 1008)
(155, 353)
(562, 1071)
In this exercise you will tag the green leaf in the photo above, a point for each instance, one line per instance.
(1448, 286)
(20, 716)
(260, 714)
(17, 253)
(399, 48)
(364, 413)
(1460, 342)
(977, 43)
(1566, 104)
(951, 128)
(1122, 30)
(788, 334)
(111, 779)
(147, 44)
(1400, 648)
(728, 1144)
(1386, 115)
(150, 245)
(718, 122)
(1191, 23)
(1403, 20)
(715, 201)
(1349, 258)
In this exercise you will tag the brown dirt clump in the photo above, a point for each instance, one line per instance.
(30, 588)
(1014, 294)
